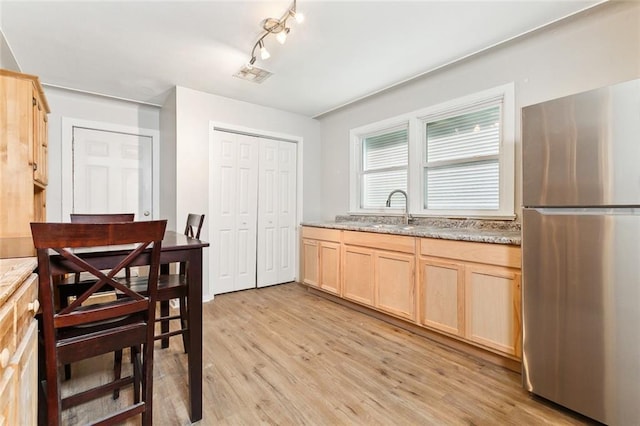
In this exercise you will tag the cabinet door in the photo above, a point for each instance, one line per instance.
(25, 364)
(310, 258)
(7, 398)
(492, 296)
(442, 296)
(330, 267)
(16, 157)
(358, 275)
(395, 283)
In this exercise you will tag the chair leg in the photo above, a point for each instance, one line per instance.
(164, 324)
(117, 370)
(137, 372)
(64, 302)
(147, 384)
(184, 324)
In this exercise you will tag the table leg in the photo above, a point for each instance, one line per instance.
(194, 312)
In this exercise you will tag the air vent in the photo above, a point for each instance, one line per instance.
(253, 73)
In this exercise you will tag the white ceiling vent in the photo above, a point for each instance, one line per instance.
(253, 73)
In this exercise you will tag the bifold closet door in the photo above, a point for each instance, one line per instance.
(276, 212)
(235, 208)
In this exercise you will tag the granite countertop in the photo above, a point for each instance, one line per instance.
(12, 273)
(495, 232)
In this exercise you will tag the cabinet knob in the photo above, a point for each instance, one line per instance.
(147, 213)
(34, 306)
(35, 166)
(4, 358)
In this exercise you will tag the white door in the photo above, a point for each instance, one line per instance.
(276, 212)
(112, 172)
(234, 211)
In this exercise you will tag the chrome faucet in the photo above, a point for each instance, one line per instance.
(406, 215)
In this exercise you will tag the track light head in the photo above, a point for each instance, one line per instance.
(282, 35)
(264, 53)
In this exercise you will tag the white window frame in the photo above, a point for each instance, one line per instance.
(416, 121)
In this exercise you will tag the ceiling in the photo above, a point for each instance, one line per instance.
(343, 50)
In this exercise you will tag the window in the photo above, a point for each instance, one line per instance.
(384, 166)
(461, 169)
(454, 159)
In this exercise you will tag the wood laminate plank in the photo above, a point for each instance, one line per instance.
(282, 355)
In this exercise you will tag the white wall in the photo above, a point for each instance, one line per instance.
(168, 162)
(594, 49)
(7, 60)
(194, 112)
(70, 104)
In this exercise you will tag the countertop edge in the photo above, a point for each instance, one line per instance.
(13, 272)
(492, 236)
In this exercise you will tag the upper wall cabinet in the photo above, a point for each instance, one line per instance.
(23, 156)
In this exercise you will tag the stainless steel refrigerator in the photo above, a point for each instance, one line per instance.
(581, 252)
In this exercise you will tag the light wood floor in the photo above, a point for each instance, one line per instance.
(283, 356)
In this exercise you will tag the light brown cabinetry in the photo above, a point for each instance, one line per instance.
(466, 290)
(379, 271)
(442, 295)
(492, 308)
(472, 290)
(321, 259)
(23, 163)
(358, 275)
(18, 342)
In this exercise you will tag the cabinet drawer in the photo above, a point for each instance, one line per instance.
(490, 254)
(321, 234)
(380, 241)
(26, 305)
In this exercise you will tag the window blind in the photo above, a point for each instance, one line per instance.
(386, 150)
(384, 167)
(462, 161)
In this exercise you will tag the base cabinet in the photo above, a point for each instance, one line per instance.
(492, 306)
(394, 283)
(321, 263)
(358, 275)
(466, 290)
(472, 291)
(442, 296)
(18, 342)
(379, 271)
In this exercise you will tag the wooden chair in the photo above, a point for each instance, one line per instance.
(173, 286)
(79, 331)
(73, 286)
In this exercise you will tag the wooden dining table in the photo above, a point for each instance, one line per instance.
(176, 247)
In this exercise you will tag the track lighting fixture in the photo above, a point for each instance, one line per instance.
(279, 28)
